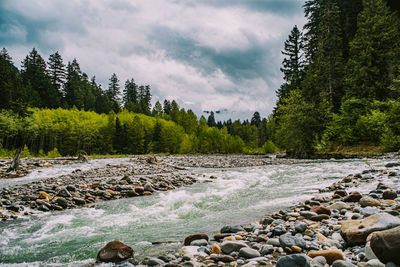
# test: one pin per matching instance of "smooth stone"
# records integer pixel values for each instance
(231, 229)
(319, 217)
(274, 242)
(321, 210)
(307, 214)
(62, 202)
(228, 247)
(342, 263)
(115, 251)
(295, 260)
(191, 238)
(369, 253)
(300, 227)
(155, 261)
(199, 242)
(287, 240)
(249, 253)
(372, 263)
(296, 249)
(355, 232)
(257, 259)
(329, 255)
(353, 197)
(389, 194)
(188, 251)
(369, 201)
(386, 245)
(318, 261)
(368, 211)
(215, 248)
(338, 206)
(267, 249)
(223, 258)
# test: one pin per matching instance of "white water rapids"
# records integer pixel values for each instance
(236, 196)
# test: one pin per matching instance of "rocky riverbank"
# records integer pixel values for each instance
(83, 188)
(340, 228)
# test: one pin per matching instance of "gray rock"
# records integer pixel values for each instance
(369, 253)
(274, 241)
(390, 264)
(199, 242)
(287, 240)
(231, 229)
(248, 253)
(368, 211)
(228, 247)
(375, 263)
(342, 263)
(300, 227)
(148, 187)
(386, 245)
(318, 261)
(389, 194)
(155, 261)
(295, 260)
(258, 259)
(64, 193)
(62, 202)
(267, 249)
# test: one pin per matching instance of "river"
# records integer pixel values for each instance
(237, 196)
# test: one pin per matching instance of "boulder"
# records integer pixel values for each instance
(355, 232)
(191, 238)
(228, 247)
(329, 255)
(295, 260)
(115, 251)
(386, 245)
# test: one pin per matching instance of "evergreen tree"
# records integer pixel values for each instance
(167, 106)
(145, 99)
(56, 71)
(256, 119)
(73, 93)
(11, 88)
(130, 95)
(157, 110)
(174, 112)
(113, 93)
(374, 52)
(211, 120)
(34, 76)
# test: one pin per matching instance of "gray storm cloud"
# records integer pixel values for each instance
(209, 55)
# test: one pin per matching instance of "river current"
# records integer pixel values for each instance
(236, 196)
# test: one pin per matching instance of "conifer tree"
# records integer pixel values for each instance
(73, 95)
(374, 52)
(11, 88)
(34, 76)
(167, 106)
(130, 95)
(211, 120)
(113, 93)
(56, 71)
(157, 110)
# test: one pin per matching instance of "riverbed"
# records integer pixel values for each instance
(235, 196)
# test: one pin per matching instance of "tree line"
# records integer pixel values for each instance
(341, 78)
(55, 109)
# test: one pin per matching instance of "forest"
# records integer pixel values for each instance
(341, 87)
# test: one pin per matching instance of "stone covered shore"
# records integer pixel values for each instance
(340, 228)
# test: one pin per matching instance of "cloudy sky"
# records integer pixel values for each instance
(207, 54)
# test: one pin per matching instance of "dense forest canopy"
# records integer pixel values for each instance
(341, 78)
(341, 87)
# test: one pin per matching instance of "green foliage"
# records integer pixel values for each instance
(300, 124)
(269, 147)
(53, 153)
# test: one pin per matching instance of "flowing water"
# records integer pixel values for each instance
(236, 196)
